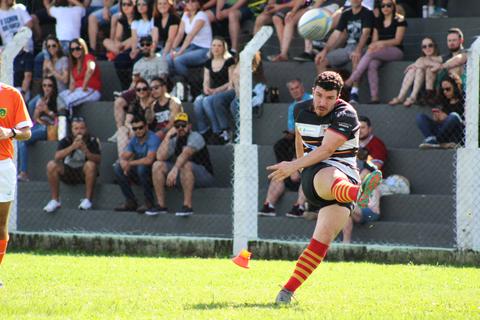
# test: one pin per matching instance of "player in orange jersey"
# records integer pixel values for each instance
(15, 123)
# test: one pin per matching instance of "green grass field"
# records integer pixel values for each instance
(91, 287)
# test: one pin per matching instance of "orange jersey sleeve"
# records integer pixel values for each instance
(13, 114)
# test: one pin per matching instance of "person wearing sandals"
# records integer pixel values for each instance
(44, 115)
(415, 73)
(387, 45)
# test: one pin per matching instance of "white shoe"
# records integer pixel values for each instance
(52, 205)
(113, 138)
(85, 204)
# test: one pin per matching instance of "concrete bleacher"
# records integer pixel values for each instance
(424, 218)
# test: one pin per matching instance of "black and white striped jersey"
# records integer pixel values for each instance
(342, 120)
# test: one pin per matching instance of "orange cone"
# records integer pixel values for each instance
(242, 259)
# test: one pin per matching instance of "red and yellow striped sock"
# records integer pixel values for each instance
(306, 264)
(344, 191)
(3, 249)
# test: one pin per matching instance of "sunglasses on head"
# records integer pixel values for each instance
(140, 89)
(75, 49)
(145, 44)
(180, 125)
(386, 5)
(425, 46)
(137, 128)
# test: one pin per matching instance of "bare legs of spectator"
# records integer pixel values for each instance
(55, 169)
(279, 28)
(187, 180)
(92, 31)
(288, 33)
(122, 139)
(234, 17)
(119, 106)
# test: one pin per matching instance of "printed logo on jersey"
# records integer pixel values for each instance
(3, 113)
(310, 130)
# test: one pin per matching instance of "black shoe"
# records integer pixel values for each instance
(143, 208)
(274, 95)
(185, 212)
(130, 205)
(305, 57)
(295, 212)
(267, 211)
(156, 210)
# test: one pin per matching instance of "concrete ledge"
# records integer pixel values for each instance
(107, 244)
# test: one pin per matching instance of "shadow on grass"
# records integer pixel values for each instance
(230, 305)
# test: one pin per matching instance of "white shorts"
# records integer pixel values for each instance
(8, 180)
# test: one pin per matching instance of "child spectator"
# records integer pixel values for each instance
(217, 93)
(193, 52)
(44, 115)
(387, 45)
(85, 80)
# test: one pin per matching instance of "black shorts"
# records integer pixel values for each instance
(72, 175)
(309, 190)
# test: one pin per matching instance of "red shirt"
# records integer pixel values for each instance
(377, 150)
(13, 114)
(95, 80)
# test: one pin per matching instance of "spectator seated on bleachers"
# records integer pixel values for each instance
(13, 17)
(285, 151)
(165, 23)
(387, 45)
(444, 128)
(437, 8)
(142, 26)
(101, 17)
(55, 63)
(44, 117)
(138, 108)
(182, 160)
(355, 26)
(85, 84)
(135, 164)
(196, 33)
(371, 156)
(165, 107)
(415, 74)
(121, 42)
(212, 106)
(452, 62)
(76, 161)
(23, 73)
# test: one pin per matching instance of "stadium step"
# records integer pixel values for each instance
(125, 223)
(381, 232)
(413, 208)
(35, 194)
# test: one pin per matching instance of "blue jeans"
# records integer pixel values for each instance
(221, 102)
(214, 108)
(141, 175)
(39, 132)
(449, 130)
(193, 56)
(32, 104)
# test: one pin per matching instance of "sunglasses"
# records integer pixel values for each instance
(145, 44)
(447, 89)
(180, 125)
(47, 85)
(78, 119)
(51, 46)
(137, 128)
(141, 4)
(127, 4)
(140, 89)
(75, 49)
(156, 87)
(386, 5)
(425, 46)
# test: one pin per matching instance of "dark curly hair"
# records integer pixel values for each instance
(329, 80)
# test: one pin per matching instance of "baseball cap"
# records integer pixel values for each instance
(182, 116)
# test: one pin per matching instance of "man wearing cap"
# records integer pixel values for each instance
(182, 159)
(135, 164)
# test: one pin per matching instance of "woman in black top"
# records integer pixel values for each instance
(387, 40)
(123, 33)
(218, 93)
(444, 128)
(165, 22)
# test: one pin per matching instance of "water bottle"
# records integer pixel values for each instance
(62, 125)
(180, 91)
(425, 11)
(431, 10)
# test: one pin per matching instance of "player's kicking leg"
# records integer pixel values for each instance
(337, 193)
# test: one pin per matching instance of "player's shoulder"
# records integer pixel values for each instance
(343, 108)
(7, 90)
